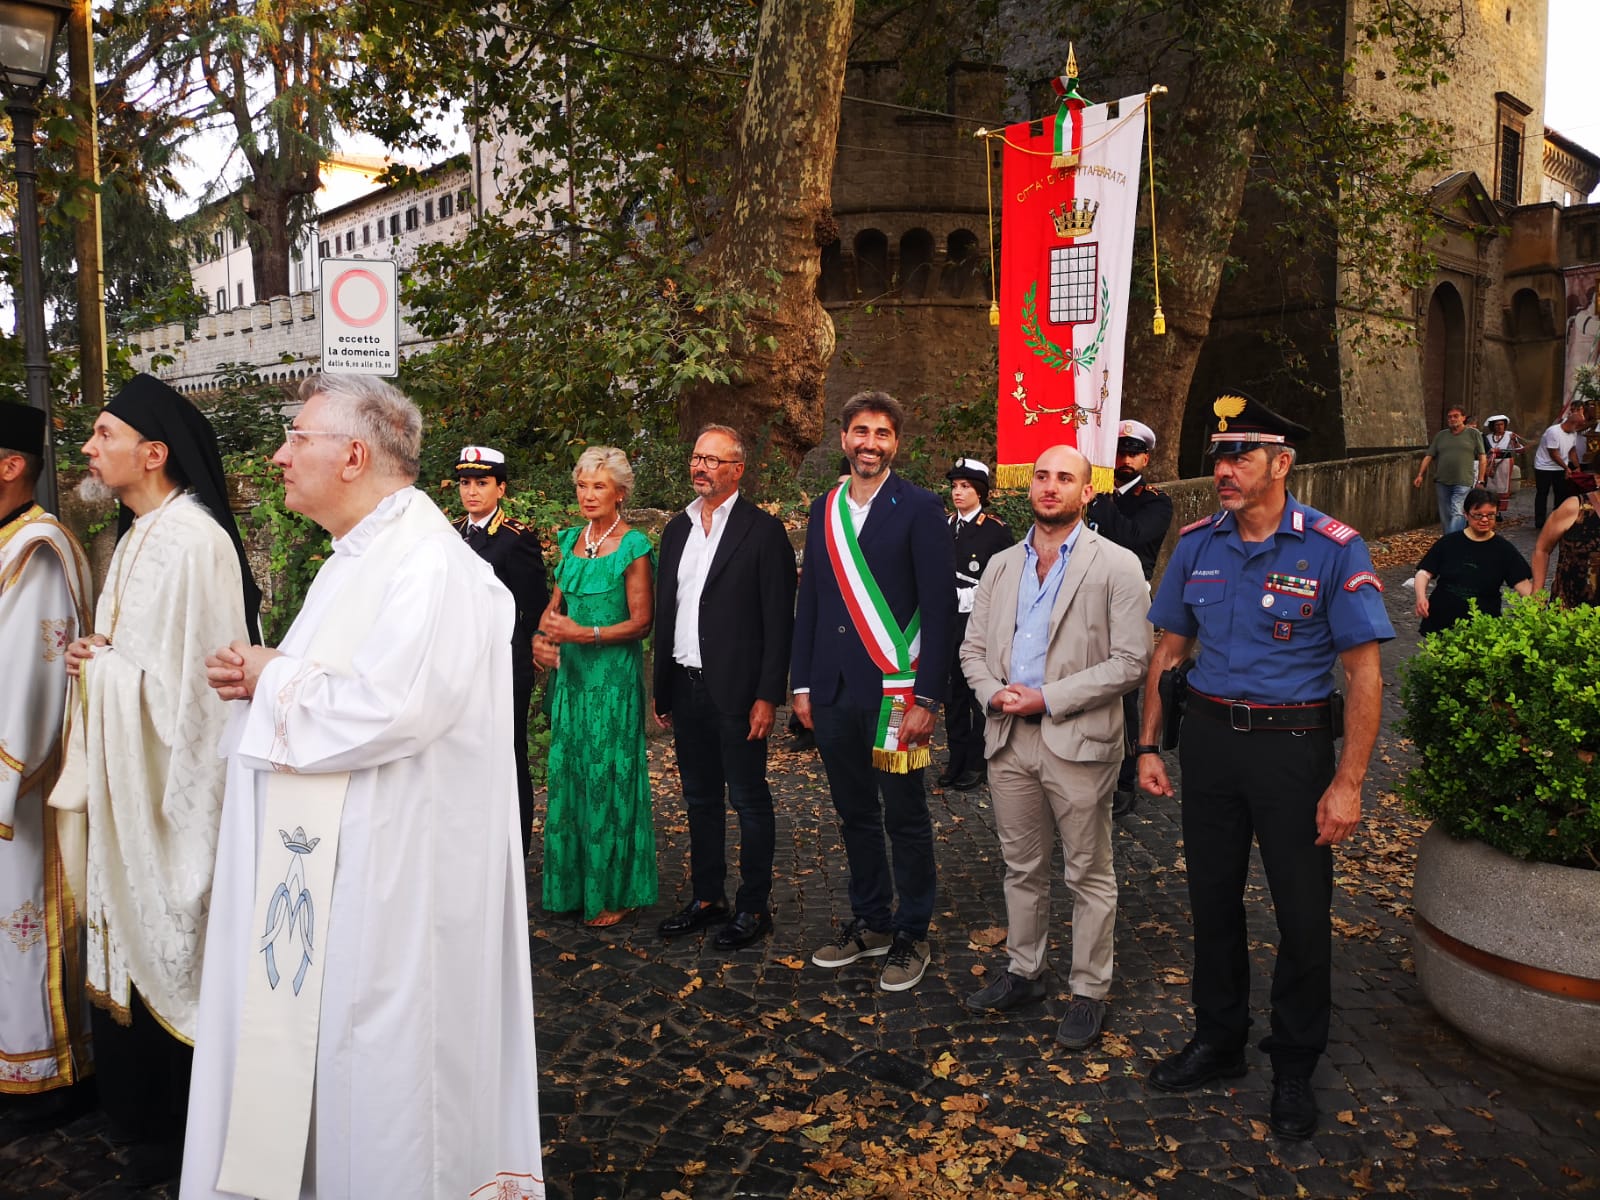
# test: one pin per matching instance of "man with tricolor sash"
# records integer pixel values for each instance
(870, 666)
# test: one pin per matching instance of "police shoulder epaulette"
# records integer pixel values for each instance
(1336, 530)
(1151, 488)
(1202, 523)
(982, 517)
(513, 524)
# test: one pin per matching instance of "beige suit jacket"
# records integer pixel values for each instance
(1099, 647)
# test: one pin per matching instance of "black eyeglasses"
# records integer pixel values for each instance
(1482, 516)
(710, 461)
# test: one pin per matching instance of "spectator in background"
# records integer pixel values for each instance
(1470, 564)
(1554, 460)
(1503, 446)
(1461, 463)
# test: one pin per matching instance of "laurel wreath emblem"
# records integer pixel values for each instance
(1057, 358)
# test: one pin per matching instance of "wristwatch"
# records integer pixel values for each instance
(1144, 748)
(924, 702)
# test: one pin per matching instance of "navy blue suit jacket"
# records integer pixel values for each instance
(908, 550)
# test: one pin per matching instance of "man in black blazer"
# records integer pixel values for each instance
(724, 615)
(513, 550)
(871, 663)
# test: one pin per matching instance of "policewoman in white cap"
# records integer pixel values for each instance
(1136, 516)
(513, 550)
(978, 537)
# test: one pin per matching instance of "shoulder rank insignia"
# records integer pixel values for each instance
(1362, 579)
(1148, 487)
(1336, 530)
(514, 525)
(1200, 524)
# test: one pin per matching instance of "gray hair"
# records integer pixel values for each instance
(727, 431)
(610, 460)
(377, 414)
(33, 465)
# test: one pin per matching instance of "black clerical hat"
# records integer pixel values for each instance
(21, 428)
(1243, 423)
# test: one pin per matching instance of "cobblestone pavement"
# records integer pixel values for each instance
(672, 1070)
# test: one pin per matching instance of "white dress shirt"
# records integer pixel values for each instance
(699, 548)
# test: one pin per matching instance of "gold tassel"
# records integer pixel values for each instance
(1102, 479)
(994, 314)
(901, 762)
(1013, 475)
(1158, 323)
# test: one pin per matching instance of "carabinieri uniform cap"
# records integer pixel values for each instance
(1244, 423)
(477, 461)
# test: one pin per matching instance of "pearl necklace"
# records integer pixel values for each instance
(592, 548)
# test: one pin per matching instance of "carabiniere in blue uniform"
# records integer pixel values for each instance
(1257, 747)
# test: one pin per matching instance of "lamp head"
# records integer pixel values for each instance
(28, 30)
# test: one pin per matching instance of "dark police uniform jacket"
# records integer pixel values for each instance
(1136, 519)
(1271, 616)
(976, 542)
(513, 550)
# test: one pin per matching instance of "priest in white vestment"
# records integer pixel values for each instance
(177, 586)
(366, 1017)
(44, 598)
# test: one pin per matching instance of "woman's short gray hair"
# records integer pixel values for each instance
(377, 414)
(610, 460)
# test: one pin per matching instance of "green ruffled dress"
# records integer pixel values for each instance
(599, 840)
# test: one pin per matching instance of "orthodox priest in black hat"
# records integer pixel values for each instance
(151, 778)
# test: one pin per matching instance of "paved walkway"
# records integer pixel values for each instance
(670, 1070)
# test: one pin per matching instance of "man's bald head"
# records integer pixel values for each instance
(1060, 488)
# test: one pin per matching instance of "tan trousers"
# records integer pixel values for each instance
(1037, 795)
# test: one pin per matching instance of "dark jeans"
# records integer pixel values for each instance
(844, 738)
(521, 696)
(714, 754)
(1545, 483)
(1264, 784)
(963, 716)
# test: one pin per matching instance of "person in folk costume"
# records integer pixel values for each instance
(1503, 446)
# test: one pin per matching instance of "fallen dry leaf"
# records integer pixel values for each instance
(790, 961)
(782, 1120)
(1346, 1117)
(983, 939)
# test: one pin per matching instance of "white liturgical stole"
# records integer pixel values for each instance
(269, 1117)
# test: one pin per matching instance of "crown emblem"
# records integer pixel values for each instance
(297, 840)
(1075, 220)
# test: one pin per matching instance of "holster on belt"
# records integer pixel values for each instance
(1173, 688)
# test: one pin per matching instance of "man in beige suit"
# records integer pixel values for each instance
(1057, 636)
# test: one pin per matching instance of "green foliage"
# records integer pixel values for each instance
(1586, 383)
(1505, 713)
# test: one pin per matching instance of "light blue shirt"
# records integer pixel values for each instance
(1035, 600)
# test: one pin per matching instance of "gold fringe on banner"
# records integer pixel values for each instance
(1013, 475)
(901, 762)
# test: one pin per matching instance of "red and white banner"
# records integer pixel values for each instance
(1066, 254)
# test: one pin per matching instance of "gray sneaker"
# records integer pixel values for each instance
(1080, 1027)
(904, 967)
(855, 941)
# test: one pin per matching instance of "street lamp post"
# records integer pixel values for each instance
(28, 30)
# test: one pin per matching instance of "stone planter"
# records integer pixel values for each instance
(1508, 952)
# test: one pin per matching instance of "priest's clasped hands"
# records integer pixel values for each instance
(234, 670)
(82, 650)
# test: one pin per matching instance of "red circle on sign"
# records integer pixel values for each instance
(338, 309)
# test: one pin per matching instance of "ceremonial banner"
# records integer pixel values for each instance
(1071, 194)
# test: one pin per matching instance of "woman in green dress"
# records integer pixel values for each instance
(599, 840)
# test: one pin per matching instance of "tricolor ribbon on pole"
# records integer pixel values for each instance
(1070, 189)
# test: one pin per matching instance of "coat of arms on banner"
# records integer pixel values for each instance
(1071, 195)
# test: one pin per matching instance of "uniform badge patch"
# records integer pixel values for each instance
(1292, 585)
(1337, 530)
(1281, 630)
(1361, 579)
(1305, 610)
(1193, 525)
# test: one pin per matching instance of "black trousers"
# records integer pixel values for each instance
(1128, 773)
(143, 1076)
(715, 756)
(963, 715)
(521, 698)
(844, 739)
(1545, 484)
(1263, 785)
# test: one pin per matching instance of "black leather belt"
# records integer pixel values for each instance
(1243, 717)
(694, 673)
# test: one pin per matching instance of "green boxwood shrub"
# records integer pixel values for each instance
(1505, 715)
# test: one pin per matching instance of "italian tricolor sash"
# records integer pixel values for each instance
(893, 650)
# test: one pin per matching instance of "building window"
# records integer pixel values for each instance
(235, 239)
(322, 248)
(427, 212)
(241, 295)
(446, 206)
(1512, 114)
(216, 240)
(366, 235)
(394, 226)
(411, 218)
(222, 299)
(464, 199)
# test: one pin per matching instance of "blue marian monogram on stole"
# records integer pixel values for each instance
(291, 915)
